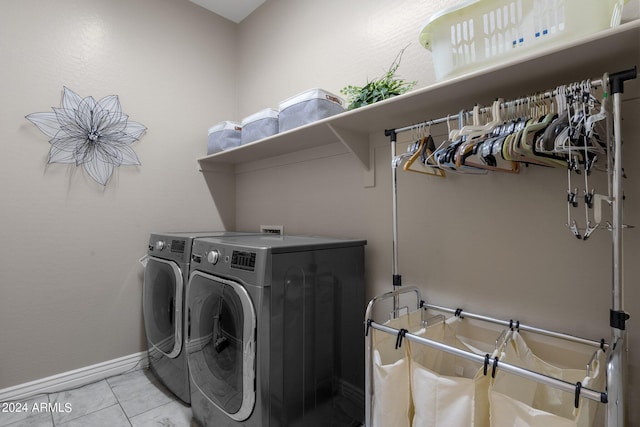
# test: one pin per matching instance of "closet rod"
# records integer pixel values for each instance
(516, 324)
(506, 367)
(393, 136)
(547, 94)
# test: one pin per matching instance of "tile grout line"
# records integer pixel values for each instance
(118, 400)
(153, 409)
(53, 423)
(50, 401)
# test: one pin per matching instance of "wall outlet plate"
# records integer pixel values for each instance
(277, 230)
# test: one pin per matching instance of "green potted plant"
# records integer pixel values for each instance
(381, 88)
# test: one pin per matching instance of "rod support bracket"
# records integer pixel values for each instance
(618, 319)
(397, 280)
(391, 133)
(604, 398)
(616, 80)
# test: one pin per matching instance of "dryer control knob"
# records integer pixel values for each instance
(213, 256)
(160, 245)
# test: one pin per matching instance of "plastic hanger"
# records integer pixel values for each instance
(446, 159)
(477, 129)
(486, 153)
(522, 148)
(424, 151)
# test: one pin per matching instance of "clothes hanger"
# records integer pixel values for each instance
(582, 145)
(424, 152)
(412, 148)
(474, 135)
(521, 145)
(531, 134)
(547, 142)
(487, 153)
(454, 133)
(446, 159)
(477, 129)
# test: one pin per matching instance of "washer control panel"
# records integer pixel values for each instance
(170, 248)
(213, 256)
(243, 260)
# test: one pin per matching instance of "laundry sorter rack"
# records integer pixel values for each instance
(614, 394)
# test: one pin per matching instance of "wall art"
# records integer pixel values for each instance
(96, 135)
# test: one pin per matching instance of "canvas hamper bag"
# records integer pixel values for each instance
(448, 390)
(516, 401)
(224, 136)
(307, 107)
(391, 387)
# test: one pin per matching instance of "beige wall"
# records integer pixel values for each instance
(69, 274)
(70, 280)
(328, 45)
(493, 244)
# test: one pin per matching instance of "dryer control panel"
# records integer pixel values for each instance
(243, 260)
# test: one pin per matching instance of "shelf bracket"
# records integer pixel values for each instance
(221, 181)
(358, 144)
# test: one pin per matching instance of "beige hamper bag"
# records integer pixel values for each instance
(448, 391)
(519, 402)
(391, 387)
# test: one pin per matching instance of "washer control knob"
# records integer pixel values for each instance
(160, 245)
(213, 256)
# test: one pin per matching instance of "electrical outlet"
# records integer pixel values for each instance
(277, 230)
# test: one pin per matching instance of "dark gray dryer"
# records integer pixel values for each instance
(276, 333)
(165, 279)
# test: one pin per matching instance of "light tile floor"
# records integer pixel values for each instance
(134, 399)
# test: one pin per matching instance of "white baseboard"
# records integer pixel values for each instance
(76, 378)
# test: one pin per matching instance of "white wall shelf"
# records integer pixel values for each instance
(614, 49)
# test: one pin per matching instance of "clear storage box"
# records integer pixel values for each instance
(307, 107)
(260, 125)
(479, 33)
(223, 136)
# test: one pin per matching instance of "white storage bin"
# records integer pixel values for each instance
(223, 136)
(480, 33)
(260, 125)
(307, 107)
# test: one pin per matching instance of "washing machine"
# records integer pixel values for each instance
(165, 278)
(276, 334)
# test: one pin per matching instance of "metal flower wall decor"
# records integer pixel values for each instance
(96, 135)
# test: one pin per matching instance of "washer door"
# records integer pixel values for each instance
(162, 305)
(221, 344)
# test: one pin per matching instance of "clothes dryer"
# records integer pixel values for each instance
(165, 278)
(276, 334)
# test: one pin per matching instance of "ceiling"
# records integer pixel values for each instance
(233, 10)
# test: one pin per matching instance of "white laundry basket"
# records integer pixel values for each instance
(479, 33)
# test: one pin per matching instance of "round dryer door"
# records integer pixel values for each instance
(162, 306)
(221, 344)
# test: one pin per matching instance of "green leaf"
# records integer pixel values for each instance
(378, 89)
